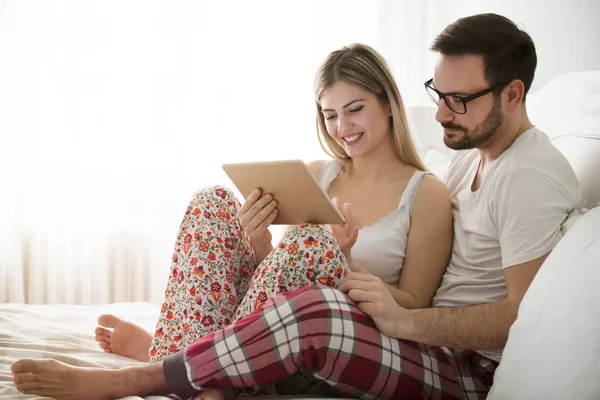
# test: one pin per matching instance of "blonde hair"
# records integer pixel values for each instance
(361, 65)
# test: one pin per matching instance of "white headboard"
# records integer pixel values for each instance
(568, 109)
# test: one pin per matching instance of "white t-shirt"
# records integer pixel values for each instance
(514, 217)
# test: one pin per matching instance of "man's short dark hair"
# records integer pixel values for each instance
(508, 52)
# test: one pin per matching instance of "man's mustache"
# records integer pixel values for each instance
(450, 125)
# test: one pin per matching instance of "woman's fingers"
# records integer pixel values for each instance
(268, 220)
(261, 215)
(336, 203)
(249, 202)
(347, 213)
(255, 210)
(354, 235)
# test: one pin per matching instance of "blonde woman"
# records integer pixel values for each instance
(399, 223)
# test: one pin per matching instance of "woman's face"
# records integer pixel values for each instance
(355, 118)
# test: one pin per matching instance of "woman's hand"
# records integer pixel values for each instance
(347, 233)
(374, 299)
(256, 215)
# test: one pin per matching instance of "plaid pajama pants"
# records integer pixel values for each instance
(320, 331)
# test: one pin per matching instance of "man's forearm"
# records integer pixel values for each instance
(403, 298)
(478, 327)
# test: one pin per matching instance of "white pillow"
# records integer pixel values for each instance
(553, 349)
(583, 153)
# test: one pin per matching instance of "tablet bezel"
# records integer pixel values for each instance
(300, 198)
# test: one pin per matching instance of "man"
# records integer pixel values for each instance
(512, 191)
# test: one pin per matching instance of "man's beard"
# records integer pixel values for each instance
(481, 136)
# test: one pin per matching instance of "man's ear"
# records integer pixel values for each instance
(515, 91)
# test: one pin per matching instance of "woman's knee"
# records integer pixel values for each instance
(215, 195)
(220, 193)
(311, 232)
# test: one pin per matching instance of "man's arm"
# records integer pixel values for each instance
(529, 209)
(479, 327)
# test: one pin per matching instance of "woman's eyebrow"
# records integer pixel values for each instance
(345, 105)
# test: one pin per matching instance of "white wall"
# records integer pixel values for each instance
(566, 33)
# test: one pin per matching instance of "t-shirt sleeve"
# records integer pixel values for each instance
(530, 210)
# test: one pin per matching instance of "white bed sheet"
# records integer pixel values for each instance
(64, 333)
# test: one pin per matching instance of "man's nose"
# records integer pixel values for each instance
(443, 113)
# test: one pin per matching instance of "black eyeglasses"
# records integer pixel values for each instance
(457, 103)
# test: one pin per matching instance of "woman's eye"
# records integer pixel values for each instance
(328, 117)
(357, 109)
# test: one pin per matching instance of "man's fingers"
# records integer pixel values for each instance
(360, 295)
(366, 307)
(357, 280)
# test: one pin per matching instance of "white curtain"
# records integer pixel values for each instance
(113, 113)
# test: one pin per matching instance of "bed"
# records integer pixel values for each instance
(64, 333)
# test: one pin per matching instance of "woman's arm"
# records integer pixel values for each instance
(429, 245)
(428, 249)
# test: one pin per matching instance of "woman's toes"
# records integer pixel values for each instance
(104, 346)
(28, 387)
(25, 366)
(102, 331)
(108, 320)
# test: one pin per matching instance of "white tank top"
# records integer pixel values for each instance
(381, 246)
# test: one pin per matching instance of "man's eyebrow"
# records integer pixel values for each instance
(345, 105)
(462, 94)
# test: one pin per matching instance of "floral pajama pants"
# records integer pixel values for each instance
(213, 281)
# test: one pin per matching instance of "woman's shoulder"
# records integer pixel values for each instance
(432, 193)
(315, 167)
(318, 167)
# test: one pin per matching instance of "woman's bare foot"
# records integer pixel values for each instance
(60, 381)
(123, 338)
(215, 394)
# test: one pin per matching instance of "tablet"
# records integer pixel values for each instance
(300, 198)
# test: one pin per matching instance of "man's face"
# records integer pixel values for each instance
(463, 76)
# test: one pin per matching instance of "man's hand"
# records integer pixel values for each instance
(374, 299)
(347, 233)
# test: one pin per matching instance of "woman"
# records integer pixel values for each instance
(398, 221)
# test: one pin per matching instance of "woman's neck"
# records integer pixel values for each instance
(376, 166)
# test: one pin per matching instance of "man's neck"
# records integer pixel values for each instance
(504, 141)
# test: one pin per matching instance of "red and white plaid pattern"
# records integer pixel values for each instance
(321, 331)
